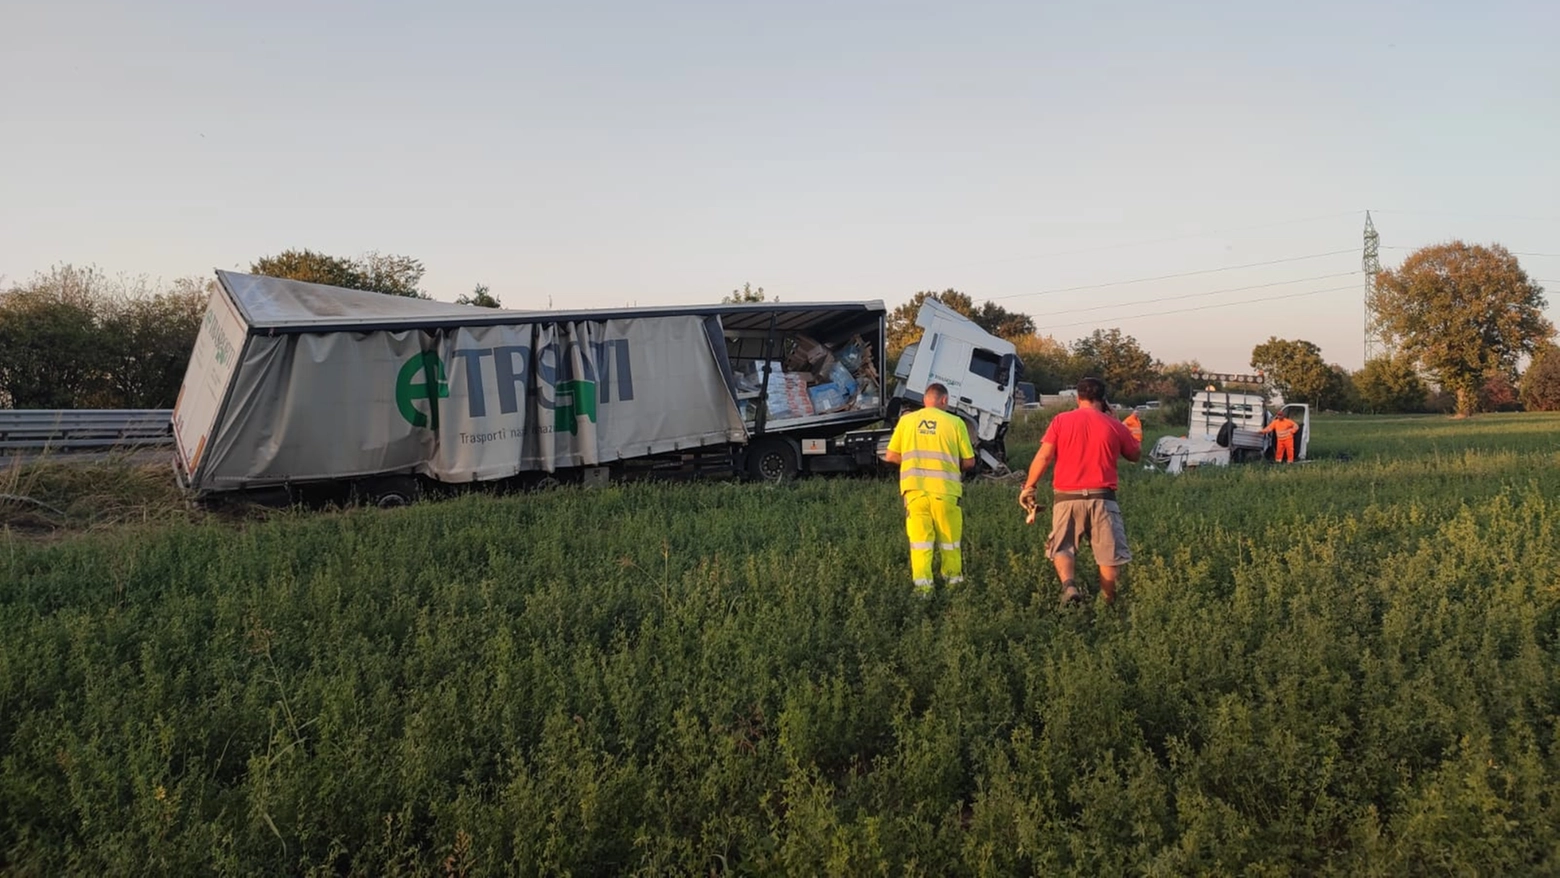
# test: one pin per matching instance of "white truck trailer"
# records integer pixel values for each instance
(302, 388)
(1226, 428)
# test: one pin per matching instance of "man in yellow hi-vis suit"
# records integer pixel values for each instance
(932, 448)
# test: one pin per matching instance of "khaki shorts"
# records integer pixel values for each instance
(1098, 521)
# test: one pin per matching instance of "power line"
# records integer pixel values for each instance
(1141, 280)
(1279, 283)
(1204, 307)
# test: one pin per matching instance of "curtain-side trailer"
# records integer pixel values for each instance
(295, 386)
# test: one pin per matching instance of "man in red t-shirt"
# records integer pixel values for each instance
(1084, 445)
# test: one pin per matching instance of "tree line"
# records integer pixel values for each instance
(1458, 319)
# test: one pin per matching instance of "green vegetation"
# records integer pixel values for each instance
(1342, 667)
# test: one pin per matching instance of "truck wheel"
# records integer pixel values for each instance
(389, 492)
(772, 460)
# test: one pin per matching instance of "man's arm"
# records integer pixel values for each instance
(891, 456)
(1040, 464)
(966, 463)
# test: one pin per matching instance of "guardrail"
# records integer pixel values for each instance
(67, 429)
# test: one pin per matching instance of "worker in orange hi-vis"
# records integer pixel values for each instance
(1286, 430)
(1134, 425)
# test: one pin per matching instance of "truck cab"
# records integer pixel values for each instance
(979, 369)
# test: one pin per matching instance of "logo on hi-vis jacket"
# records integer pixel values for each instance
(546, 377)
(927, 427)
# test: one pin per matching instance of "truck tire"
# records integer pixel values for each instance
(389, 492)
(772, 460)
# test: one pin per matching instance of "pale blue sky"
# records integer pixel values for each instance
(597, 154)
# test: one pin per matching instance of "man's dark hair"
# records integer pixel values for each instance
(1091, 389)
(937, 388)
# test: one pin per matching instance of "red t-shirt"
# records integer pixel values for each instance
(1087, 444)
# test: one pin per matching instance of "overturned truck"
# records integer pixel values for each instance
(295, 387)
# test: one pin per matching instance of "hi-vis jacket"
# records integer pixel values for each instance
(1285, 428)
(930, 443)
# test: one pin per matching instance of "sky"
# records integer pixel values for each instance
(1095, 165)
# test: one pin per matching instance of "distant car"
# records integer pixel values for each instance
(1150, 406)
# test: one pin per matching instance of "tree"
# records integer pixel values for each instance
(1295, 368)
(373, 271)
(1541, 382)
(54, 354)
(902, 331)
(148, 339)
(390, 274)
(744, 295)
(310, 267)
(1048, 364)
(1117, 358)
(1463, 313)
(480, 298)
(1003, 323)
(1498, 393)
(1389, 385)
(75, 339)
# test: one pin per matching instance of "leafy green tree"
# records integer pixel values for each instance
(1176, 381)
(1541, 381)
(374, 272)
(73, 338)
(480, 297)
(310, 267)
(1340, 395)
(54, 356)
(1389, 385)
(391, 274)
(147, 343)
(1296, 369)
(1463, 312)
(745, 295)
(1003, 323)
(1116, 357)
(1048, 364)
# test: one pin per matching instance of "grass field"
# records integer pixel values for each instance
(1342, 667)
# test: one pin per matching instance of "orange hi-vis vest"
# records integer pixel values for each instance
(1285, 428)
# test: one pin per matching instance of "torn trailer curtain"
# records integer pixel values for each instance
(327, 383)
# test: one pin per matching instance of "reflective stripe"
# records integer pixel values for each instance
(928, 455)
(948, 547)
(917, 546)
(1286, 434)
(928, 474)
(923, 583)
(955, 580)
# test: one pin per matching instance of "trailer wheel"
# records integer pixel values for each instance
(772, 460)
(389, 492)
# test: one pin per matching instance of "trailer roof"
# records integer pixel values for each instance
(277, 306)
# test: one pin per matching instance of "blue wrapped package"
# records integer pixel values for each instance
(827, 397)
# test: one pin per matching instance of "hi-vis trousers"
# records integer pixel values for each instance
(934, 521)
(1285, 452)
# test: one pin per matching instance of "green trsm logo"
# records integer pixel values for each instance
(422, 382)
(433, 388)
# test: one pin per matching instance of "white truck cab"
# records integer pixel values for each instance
(978, 368)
